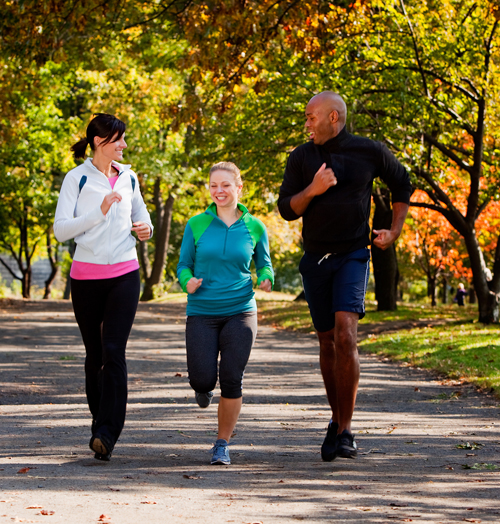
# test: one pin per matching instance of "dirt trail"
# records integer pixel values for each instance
(428, 452)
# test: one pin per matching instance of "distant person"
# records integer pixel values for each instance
(328, 182)
(460, 296)
(214, 269)
(100, 205)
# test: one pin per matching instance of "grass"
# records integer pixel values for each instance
(295, 316)
(460, 348)
(468, 352)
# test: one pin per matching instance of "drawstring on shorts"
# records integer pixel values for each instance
(324, 258)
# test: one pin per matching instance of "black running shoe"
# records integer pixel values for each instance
(101, 447)
(346, 446)
(204, 399)
(106, 457)
(329, 447)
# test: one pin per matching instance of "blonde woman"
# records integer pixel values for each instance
(214, 269)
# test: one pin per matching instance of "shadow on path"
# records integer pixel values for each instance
(427, 452)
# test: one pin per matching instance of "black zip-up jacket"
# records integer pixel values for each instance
(338, 220)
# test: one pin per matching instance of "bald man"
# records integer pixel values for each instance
(328, 182)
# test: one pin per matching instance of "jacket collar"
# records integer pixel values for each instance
(336, 143)
(121, 167)
(212, 209)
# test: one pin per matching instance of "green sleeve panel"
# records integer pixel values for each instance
(199, 224)
(265, 274)
(255, 227)
(184, 277)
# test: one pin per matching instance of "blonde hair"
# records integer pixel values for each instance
(230, 168)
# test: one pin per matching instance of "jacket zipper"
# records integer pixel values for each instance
(225, 241)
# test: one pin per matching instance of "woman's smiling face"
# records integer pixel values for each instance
(223, 188)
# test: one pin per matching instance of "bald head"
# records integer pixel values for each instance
(326, 115)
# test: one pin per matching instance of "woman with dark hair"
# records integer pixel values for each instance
(99, 205)
(214, 269)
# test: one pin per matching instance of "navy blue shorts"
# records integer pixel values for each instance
(335, 283)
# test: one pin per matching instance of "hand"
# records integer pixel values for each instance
(323, 180)
(385, 238)
(193, 285)
(109, 200)
(266, 285)
(142, 229)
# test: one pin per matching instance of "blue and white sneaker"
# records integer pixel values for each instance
(220, 453)
(204, 399)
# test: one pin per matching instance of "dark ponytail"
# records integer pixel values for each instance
(79, 148)
(102, 125)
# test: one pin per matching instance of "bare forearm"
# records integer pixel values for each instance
(300, 201)
(386, 237)
(399, 212)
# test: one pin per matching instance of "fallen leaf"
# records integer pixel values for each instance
(395, 504)
(178, 375)
(191, 477)
(46, 512)
(24, 470)
(104, 517)
(472, 520)
(148, 502)
(34, 507)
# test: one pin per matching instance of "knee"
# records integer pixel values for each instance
(202, 384)
(326, 342)
(345, 342)
(231, 390)
(113, 353)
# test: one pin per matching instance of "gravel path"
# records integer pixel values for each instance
(428, 451)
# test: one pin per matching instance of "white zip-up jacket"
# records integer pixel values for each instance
(100, 239)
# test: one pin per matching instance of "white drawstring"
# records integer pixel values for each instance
(324, 258)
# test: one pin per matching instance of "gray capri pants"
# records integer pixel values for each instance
(233, 337)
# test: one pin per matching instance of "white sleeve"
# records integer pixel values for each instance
(140, 212)
(66, 225)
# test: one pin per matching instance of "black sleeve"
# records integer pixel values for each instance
(291, 185)
(392, 172)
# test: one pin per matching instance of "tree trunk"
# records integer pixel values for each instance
(385, 263)
(153, 273)
(23, 259)
(444, 291)
(488, 299)
(53, 259)
(431, 288)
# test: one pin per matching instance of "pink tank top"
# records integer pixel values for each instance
(88, 271)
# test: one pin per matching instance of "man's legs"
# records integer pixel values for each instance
(340, 367)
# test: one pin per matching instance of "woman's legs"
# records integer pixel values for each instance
(105, 310)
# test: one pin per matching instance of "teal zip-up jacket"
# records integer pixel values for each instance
(221, 256)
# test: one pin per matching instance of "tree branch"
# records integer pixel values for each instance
(6, 266)
(448, 152)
